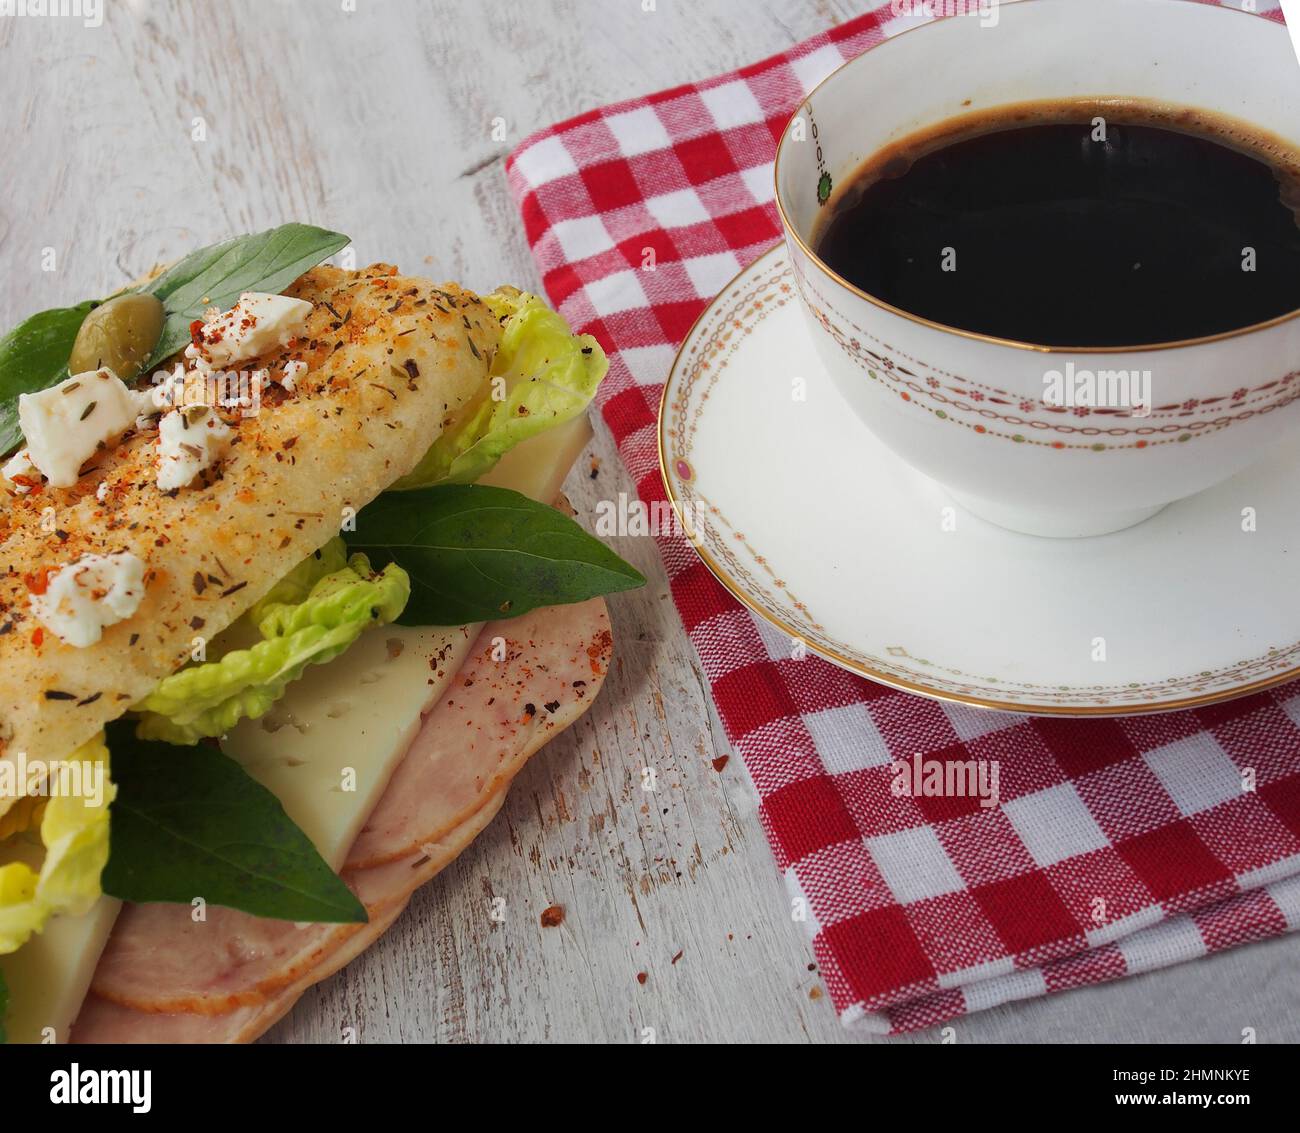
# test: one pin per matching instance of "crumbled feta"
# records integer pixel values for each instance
(292, 372)
(167, 392)
(101, 493)
(66, 424)
(85, 596)
(189, 441)
(20, 466)
(257, 323)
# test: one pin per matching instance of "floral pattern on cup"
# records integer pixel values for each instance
(988, 411)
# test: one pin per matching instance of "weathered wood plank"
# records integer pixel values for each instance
(380, 123)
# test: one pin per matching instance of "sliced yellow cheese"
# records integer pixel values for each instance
(49, 976)
(537, 467)
(327, 748)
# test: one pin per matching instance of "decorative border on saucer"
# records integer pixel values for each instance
(748, 574)
(708, 354)
(954, 397)
(737, 554)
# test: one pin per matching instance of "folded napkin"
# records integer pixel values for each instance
(1119, 846)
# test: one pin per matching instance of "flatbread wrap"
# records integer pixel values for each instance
(284, 610)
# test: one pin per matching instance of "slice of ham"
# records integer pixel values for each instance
(235, 968)
(103, 1021)
(522, 684)
(159, 960)
(378, 884)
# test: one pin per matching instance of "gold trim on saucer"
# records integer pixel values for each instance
(772, 613)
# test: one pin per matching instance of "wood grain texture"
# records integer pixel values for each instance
(380, 123)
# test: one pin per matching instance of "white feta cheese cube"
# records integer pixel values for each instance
(257, 323)
(85, 596)
(66, 424)
(292, 372)
(21, 473)
(189, 441)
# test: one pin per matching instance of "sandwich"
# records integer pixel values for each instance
(288, 595)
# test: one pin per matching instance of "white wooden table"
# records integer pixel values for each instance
(177, 124)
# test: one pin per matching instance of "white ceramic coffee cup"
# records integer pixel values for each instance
(973, 411)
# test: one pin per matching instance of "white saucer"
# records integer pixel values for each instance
(812, 523)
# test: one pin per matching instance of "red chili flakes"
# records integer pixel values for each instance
(599, 649)
(38, 637)
(37, 582)
(721, 762)
(552, 916)
(641, 977)
(676, 958)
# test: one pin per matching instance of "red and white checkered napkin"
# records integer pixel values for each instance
(1119, 845)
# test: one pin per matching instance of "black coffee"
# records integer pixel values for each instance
(1029, 224)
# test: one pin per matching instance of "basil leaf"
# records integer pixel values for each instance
(190, 822)
(477, 553)
(34, 356)
(216, 276)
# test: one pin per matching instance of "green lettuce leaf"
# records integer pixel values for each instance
(209, 699)
(295, 586)
(547, 374)
(74, 833)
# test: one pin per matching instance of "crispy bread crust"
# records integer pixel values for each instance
(391, 360)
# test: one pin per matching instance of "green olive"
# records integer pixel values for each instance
(119, 334)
